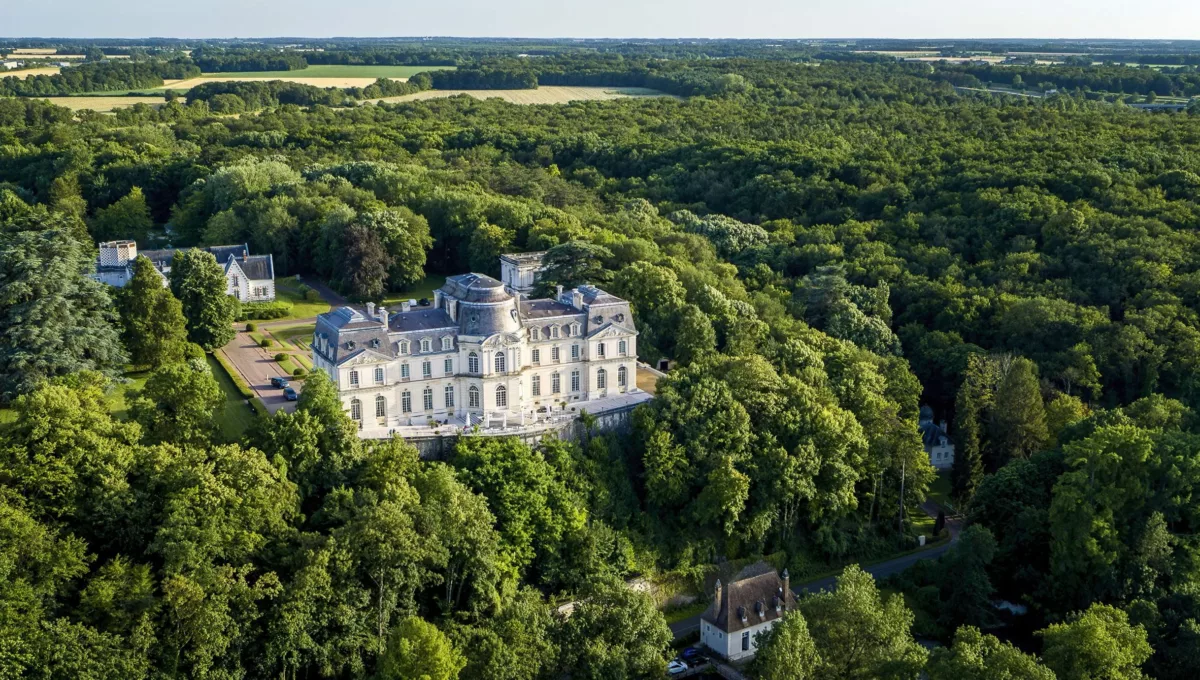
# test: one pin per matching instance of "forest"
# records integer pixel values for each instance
(820, 248)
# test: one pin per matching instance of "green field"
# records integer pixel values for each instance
(421, 289)
(237, 416)
(288, 290)
(334, 71)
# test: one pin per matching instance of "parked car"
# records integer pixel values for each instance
(423, 302)
(290, 394)
(693, 657)
(676, 667)
(279, 382)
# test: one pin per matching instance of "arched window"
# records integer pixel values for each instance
(536, 382)
(472, 363)
(501, 363)
(427, 398)
(622, 348)
(473, 397)
(554, 332)
(379, 376)
(403, 346)
(449, 396)
(501, 397)
(447, 343)
(426, 345)
(354, 378)
(380, 407)
(406, 401)
(622, 377)
(356, 409)
(601, 379)
(535, 334)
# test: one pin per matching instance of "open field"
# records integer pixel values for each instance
(33, 50)
(549, 94)
(330, 71)
(101, 104)
(26, 72)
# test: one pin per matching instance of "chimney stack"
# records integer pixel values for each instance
(717, 595)
(558, 296)
(382, 311)
(371, 310)
(787, 584)
(405, 306)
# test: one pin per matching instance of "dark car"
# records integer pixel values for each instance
(290, 394)
(279, 382)
(423, 302)
(692, 655)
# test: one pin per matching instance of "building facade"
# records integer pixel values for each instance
(480, 355)
(936, 439)
(751, 603)
(249, 278)
(520, 271)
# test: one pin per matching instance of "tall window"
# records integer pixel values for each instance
(574, 329)
(449, 396)
(501, 397)
(449, 366)
(404, 371)
(536, 382)
(380, 407)
(403, 347)
(472, 363)
(406, 401)
(601, 379)
(379, 376)
(535, 334)
(574, 381)
(569, 330)
(555, 383)
(554, 354)
(622, 348)
(500, 363)
(473, 397)
(354, 378)
(574, 351)
(746, 641)
(600, 350)
(537, 356)
(426, 369)
(554, 332)
(426, 346)
(622, 377)
(356, 409)
(447, 343)
(427, 398)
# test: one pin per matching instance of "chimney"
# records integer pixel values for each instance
(717, 595)
(405, 306)
(787, 584)
(559, 295)
(944, 426)
(576, 299)
(371, 310)
(382, 311)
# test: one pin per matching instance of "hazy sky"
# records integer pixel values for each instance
(1177, 19)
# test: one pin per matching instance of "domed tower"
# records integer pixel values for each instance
(491, 342)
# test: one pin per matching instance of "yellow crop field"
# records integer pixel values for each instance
(102, 104)
(317, 82)
(548, 94)
(34, 50)
(25, 73)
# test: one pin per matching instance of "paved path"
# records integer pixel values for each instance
(879, 570)
(258, 366)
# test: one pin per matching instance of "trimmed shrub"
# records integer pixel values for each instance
(280, 357)
(298, 372)
(266, 342)
(263, 310)
(251, 327)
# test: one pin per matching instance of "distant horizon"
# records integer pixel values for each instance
(53, 38)
(626, 19)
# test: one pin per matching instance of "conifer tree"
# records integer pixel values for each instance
(154, 330)
(199, 283)
(1019, 416)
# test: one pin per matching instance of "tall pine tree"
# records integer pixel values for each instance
(199, 283)
(1019, 416)
(155, 332)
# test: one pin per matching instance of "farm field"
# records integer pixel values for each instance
(329, 71)
(101, 104)
(25, 73)
(549, 94)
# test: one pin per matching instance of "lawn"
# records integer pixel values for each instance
(939, 491)
(288, 290)
(297, 337)
(421, 289)
(121, 394)
(237, 416)
(333, 71)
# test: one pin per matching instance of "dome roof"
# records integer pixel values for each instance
(476, 288)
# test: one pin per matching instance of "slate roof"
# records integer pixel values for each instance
(752, 595)
(475, 288)
(420, 320)
(540, 309)
(255, 267)
(931, 434)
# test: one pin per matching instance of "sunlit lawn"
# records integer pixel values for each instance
(421, 289)
(237, 416)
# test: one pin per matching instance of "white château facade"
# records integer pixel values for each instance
(249, 278)
(479, 355)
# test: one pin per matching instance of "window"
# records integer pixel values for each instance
(403, 347)
(535, 334)
(501, 397)
(601, 379)
(574, 381)
(554, 332)
(574, 329)
(472, 363)
(426, 369)
(537, 385)
(380, 407)
(449, 366)
(235, 280)
(746, 641)
(574, 351)
(378, 376)
(554, 384)
(537, 356)
(500, 362)
(449, 396)
(473, 397)
(622, 377)
(554, 354)
(426, 346)
(404, 371)
(406, 401)
(356, 409)
(427, 398)
(354, 378)
(600, 350)
(447, 343)
(622, 348)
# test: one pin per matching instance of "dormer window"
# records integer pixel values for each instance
(403, 346)
(447, 343)
(574, 329)
(535, 334)
(554, 332)
(375, 342)
(426, 346)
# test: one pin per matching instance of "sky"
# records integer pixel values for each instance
(1169, 19)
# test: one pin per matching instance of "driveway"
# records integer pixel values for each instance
(258, 366)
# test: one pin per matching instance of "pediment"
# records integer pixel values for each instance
(608, 330)
(363, 357)
(502, 340)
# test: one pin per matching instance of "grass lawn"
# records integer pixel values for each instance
(421, 289)
(676, 614)
(297, 337)
(939, 491)
(288, 290)
(289, 365)
(121, 394)
(237, 417)
(334, 71)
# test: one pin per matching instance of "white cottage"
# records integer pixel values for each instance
(936, 439)
(751, 603)
(249, 278)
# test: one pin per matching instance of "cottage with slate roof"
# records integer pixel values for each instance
(249, 278)
(751, 603)
(937, 440)
(480, 355)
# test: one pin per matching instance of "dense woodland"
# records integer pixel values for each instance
(820, 248)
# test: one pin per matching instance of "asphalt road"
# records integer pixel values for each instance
(257, 367)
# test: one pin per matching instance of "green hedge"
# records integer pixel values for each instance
(236, 377)
(259, 407)
(263, 310)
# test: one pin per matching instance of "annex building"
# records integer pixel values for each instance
(248, 278)
(482, 357)
(752, 602)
